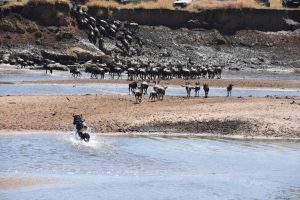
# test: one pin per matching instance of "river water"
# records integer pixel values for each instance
(11, 84)
(122, 89)
(150, 167)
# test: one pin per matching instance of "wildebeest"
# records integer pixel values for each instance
(132, 86)
(94, 70)
(206, 90)
(75, 71)
(188, 89)
(153, 96)
(48, 67)
(81, 127)
(160, 90)
(138, 94)
(229, 89)
(197, 88)
(144, 87)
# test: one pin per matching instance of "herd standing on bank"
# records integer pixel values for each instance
(139, 89)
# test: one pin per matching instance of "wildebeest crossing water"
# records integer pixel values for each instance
(149, 167)
(81, 127)
(122, 89)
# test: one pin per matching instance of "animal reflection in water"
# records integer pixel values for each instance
(81, 127)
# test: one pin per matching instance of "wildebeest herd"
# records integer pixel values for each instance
(117, 62)
(150, 71)
(130, 44)
(97, 29)
(139, 89)
(122, 61)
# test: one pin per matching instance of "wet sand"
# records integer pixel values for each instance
(267, 117)
(18, 183)
(178, 82)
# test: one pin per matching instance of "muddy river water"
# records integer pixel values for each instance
(150, 167)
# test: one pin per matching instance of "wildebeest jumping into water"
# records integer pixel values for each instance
(81, 127)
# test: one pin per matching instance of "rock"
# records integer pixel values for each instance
(32, 28)
(235, 68)
(196, 23)
(84, 55)
(7, 26)
(53, 29)
(166, 53)
(19, 28)
(219, 39)
(63, 35)
(58, 57)
(38, 41)
(293, 25)
(38, 35)
(255, 61)
(58, 66)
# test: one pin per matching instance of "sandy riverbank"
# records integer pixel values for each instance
(178, 82)
(268, 117)
(21, 182)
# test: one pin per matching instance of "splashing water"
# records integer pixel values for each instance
(150, 167)
(95, 142)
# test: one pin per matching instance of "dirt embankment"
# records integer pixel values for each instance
(224, 20)
(32, 29)
(220, 115)
(44, 13)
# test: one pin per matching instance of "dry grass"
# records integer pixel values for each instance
(196, 5)
(276, 4)
(204, 4)
(16, 3)
(159, 4)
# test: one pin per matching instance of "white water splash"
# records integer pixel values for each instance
(95, 141)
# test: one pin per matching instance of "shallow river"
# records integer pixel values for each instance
(122, 89)
(150, 167)
(15, 76)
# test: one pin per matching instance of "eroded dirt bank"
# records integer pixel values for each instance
(276, 117)
(224, 20)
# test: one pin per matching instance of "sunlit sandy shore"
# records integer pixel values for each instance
(249, 116)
